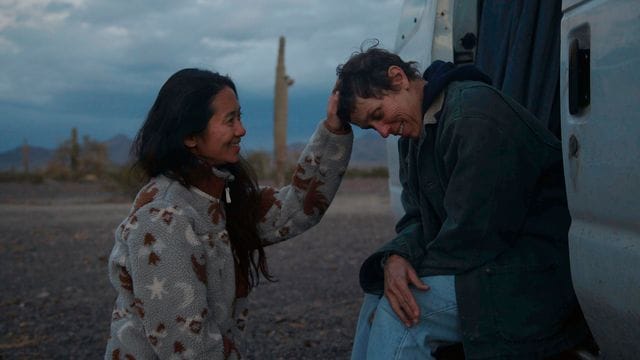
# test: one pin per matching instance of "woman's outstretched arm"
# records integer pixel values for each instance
(294, 208)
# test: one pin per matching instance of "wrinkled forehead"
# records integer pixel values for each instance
(362, 110)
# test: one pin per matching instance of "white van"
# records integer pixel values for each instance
(598, 94)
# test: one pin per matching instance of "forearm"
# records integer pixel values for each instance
(296, 207)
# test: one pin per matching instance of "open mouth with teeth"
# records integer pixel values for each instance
(235, 145)
(401, 129)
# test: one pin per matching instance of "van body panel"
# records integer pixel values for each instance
(601, 150)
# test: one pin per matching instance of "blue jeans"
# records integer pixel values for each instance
(381, 335)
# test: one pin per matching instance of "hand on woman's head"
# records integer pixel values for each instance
(333, 122)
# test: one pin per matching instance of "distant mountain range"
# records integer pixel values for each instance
(368, 151)
(117, 149)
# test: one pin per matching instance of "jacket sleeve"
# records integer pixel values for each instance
(169, 285)
(294, 208)
(407, 242)
(490, 180)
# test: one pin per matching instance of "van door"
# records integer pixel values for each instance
(600, 110)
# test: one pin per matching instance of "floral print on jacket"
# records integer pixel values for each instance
(172, 264)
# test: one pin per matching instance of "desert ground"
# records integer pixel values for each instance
(56, 300)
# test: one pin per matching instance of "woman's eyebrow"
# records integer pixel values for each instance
(234, 112)
(372, 113)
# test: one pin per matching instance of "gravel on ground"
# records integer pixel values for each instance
(56, 300)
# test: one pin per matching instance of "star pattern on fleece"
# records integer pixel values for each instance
(165, 226)
(157, 288)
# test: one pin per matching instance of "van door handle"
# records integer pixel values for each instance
(579, 78)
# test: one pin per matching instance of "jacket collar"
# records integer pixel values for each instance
(430, 115)
(212, 186)
(440, 74)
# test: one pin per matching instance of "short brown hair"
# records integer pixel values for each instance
(364, 75)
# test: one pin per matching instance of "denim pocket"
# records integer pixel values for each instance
(529, 302)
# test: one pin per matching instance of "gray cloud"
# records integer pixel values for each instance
(60, 57)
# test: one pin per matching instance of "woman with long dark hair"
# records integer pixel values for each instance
(192, 245)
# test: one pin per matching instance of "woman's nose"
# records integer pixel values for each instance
(240, 130)
(382, 129)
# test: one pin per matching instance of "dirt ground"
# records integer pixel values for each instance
(56, 300)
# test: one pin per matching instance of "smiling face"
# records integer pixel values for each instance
(219, 143)
(397, 112)
(393, 114)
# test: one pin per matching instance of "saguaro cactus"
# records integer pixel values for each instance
(283, 81)
(74, 152)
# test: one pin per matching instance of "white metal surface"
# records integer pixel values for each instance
(603, 175)
(425, 39)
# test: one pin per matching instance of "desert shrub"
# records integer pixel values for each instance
(125, 180)
(260, 162)
(12, 176)
(75, 161)
(92, 158)
(58, 170)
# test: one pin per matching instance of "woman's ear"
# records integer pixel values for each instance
(397, 77)
(190, 142)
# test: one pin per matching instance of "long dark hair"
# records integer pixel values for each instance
(183, 108)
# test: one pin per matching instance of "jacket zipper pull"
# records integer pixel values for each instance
(227, 194)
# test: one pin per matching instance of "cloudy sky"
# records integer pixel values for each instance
(98, 64)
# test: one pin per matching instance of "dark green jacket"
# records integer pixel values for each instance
(483, 191)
